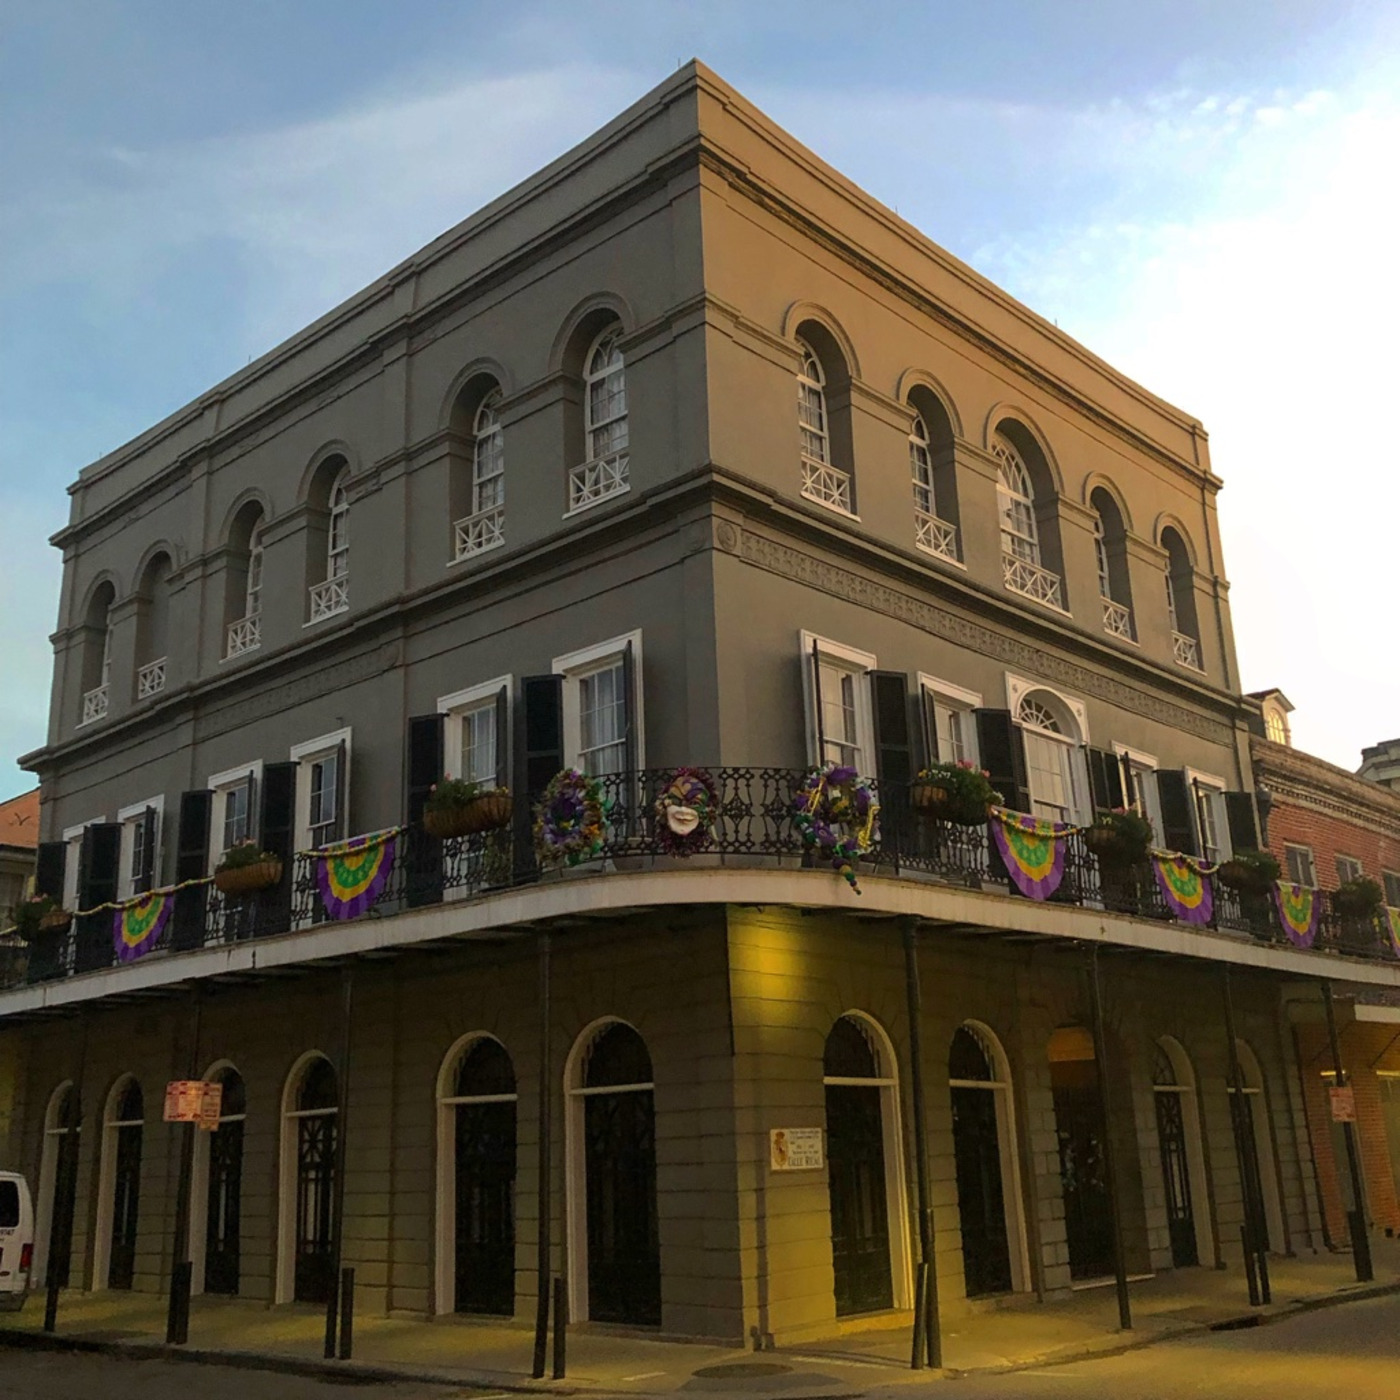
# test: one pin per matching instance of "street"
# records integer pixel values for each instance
(1352, 1351)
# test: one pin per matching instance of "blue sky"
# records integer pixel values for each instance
(1205, 194)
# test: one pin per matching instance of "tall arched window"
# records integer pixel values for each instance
(97, 654)
(605, 472)
(330, 586)
(1053, 760)
(216, 1199)
(243, 582)
(484, 526)
(1110, 553)
(152, 627)
(615, 1238)
(1022, 567)
(310, 1112)
(1254, 1143)
(476, 1179)
(1181, 601)
(119, 1186)
(1183, 1160)
(822, 480)
(931, 468)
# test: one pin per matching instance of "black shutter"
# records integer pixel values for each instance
(342, 792)
(146, 877)
(503, 738)
(49, 869)
(277, 836)
(192, 863)
(98, 866)
(1004, 757)
(1239, 814)
(818, 718)
(540, 751)
(1178, 818)
(894, 754)
(1105, 779)
(626, 793)
(928, 715)
(425, 765)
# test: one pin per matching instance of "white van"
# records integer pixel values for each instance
(16, 1240)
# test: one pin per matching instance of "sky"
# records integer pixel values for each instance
(1205, 194)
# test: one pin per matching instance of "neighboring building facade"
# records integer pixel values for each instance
(683, 453)
(1327, 826)
(19, 843)
(1380, 763)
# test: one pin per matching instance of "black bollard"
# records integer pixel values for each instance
(561, 1323)
(347, 1313)
(1249, 1273)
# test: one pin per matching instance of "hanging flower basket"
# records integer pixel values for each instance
(55, 920)
(40, 914)
(569, 819)
(834, 812)
(1120, 838)
(954, 792)
(490, 810)
(447, 822)
(1361, 898)
(1250, 872)
(685, 812)
(246, 869)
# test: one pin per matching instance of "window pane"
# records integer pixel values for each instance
(603, 720)
(1047, 764)
(323, 799)
(950, 726)
(839, 728)
(479, 745)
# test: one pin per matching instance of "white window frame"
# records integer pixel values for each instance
(130, 817)
(72, 855)
(945, 695)
(221, 784)
(574, 666)
(455, 707)
(1352, 864)
(1213, 785)
(304, 755)
(1081, 794)
(1136, 761)
(856, 662)
(1312, 863)
(1016, 505)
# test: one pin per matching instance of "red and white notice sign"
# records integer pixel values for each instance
(193, 1101)
(1343, 1103)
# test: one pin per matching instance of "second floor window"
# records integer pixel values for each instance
(811, 410)
(488, 457)
(1348, 868)
(324, 795)
(338, 532)
(252, 593)
(840, 717)
(605, 404)
(602, 712)
(1299, 861)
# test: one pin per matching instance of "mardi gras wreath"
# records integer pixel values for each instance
(834, 813)
(569, 819)
(686, 811)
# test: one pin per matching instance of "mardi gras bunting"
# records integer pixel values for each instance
(138, 925)
(352, 874)
(1298, 908)
(1392, 924)
(1032, 850)
(1185, 886)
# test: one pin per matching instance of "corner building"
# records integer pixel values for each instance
(683, 453)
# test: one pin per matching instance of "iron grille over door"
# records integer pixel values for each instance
(977, 1162)
(485, 1185)
(225, 1197)
(1176, 1171)
(126, 1188)
(315, 1185)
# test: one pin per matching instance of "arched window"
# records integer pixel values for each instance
(476, 1179)
(152, 627)
(119, 1187)
(310, 1111)
(216, 1196)
(1254, 1143)
(328, 540)
(1110, 553)
(984, 1155)
(822, 480)
(1183, 1160)
(1023, 569)
(1181, 601)
(483, 527)
(338, 533)
(931, 468)
(97, 654)
(869, 1248)
(605, 472)
(243, 582)
(57, 1194)
(1053, 761)
(615, 1240)
(1276, 726)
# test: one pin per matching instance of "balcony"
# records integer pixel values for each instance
(329, 598)
(754, 838)
(1031, 581)
(826, 485)
(1117, 620)
(478, 533)
(243, 636)
(598, 480)
(936, 536)
(94, 704)
(150, 679)
(1186, 651)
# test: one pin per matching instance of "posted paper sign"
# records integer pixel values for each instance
(795, 1149)
(193, 1101)
(1343, 1103)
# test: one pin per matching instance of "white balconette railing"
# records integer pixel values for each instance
(330, 597)
(482, 531)
(95, 704)
(935, 535)
(595, 481)
(1186, 650)
(1117, 619)
(244, 635)
(1031, 581)
(826, 485)
(150, 679)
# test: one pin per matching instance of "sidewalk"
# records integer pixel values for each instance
(495, 1357)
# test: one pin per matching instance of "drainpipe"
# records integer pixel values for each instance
(1360, 1239)
(1110, 1156)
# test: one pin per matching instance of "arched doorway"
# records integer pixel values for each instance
(1080, 1129)
(1179, 1145)
(476, 1185)
(1252, 1127)
(864, 1181)
(216, 1196)
(53, 1234)
(310, 1108)
(119, 1200)
(613, 1161)
(984, 1155)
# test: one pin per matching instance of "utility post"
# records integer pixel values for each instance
(1360, 1238)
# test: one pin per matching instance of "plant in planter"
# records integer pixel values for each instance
(40, 914)
(955, 792)
(1121, 837)
(1250, 872)
(246, 868)
(1358, 899)
(458, 807)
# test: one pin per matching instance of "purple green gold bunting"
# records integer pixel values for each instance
(1187, 890)
(352, 874)
(1392, 924)
(1032, 850)
(1297, 911)
(137, 926)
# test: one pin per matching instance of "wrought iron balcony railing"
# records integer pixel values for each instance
(1117, 619)
(935, 535)
(1186, 650)
(1031, 581)
(591, 482)
(330, 597)
(480, 532)
(753, 827)
(244, 635)
(150, 679)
